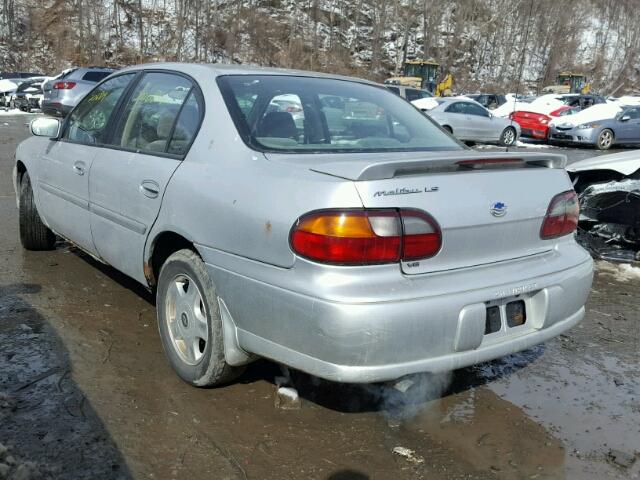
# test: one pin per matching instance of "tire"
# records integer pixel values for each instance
(34, 235)
(189, 322)
(448, 129)
(508, 137)
(605, 139)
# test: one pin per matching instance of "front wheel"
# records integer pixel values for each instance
(34, 234)
(189, 322)
(508, 137)
(605, 140)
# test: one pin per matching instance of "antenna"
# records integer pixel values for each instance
(524, 51)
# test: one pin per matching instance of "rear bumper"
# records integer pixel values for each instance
(537, 132)
(55, 108)
(438, 325)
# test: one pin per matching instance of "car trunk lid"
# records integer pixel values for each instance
(490, 206)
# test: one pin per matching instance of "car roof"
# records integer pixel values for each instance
(220, 69)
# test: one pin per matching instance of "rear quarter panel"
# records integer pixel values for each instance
(232, 199)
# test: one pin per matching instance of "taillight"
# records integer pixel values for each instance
(562, 216)
(421, 236)
(64, 85)
(365, 237)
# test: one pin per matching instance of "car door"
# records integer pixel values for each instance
(63, 182)
(480, 125)
(459, 121)
(154, 131)
(628, 130)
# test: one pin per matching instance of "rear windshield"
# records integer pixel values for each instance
(304, 114)
(95, 76)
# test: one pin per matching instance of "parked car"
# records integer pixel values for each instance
(28, 95)
(469, 121)
(536, 125)
(488, 100)
(65, 91)
(8, 88)
(623, 129)
(358, 248)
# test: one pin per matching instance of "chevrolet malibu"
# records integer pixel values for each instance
(358, 242)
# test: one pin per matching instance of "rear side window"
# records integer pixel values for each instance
(186, 126)
(89, 121)
(473, 109)
(413, 94)
(395, 90)
(148, 118)
(95, 76)
(305, 114)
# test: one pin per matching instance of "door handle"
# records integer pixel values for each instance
(78, 167)
(150, 189)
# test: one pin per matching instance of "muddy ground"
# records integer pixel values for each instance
(85, 392)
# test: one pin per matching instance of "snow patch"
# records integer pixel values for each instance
(12, 112)
(623, 272)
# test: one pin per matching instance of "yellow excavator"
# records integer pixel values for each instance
(423, 74)
(569, 82)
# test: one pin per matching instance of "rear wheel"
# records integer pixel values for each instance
(508, 137)
(605, 140)
(189, 322)
(34, 235)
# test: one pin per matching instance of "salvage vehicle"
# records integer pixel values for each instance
(62, 93)
(28, 95)
(623, 129)
(469, 121)
(608, 188)
(358, 247)
(536, 125)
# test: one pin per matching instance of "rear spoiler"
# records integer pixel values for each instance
(435, 164)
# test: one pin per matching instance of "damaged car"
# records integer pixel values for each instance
(359, 245)
(623, 129)
(608, 188)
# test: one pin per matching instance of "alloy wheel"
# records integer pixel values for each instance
(186, 319)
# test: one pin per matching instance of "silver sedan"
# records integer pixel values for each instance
(469, 121)
(319, 221)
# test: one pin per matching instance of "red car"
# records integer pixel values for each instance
(536, 125)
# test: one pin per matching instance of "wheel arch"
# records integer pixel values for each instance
(161, 247)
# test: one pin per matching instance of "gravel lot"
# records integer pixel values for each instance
(85, 391)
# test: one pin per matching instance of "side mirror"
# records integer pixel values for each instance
(625, 118)
(45, 127)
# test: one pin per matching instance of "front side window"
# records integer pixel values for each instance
(148, 118)
(89, 120)
(633, 113)
(305, 114)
